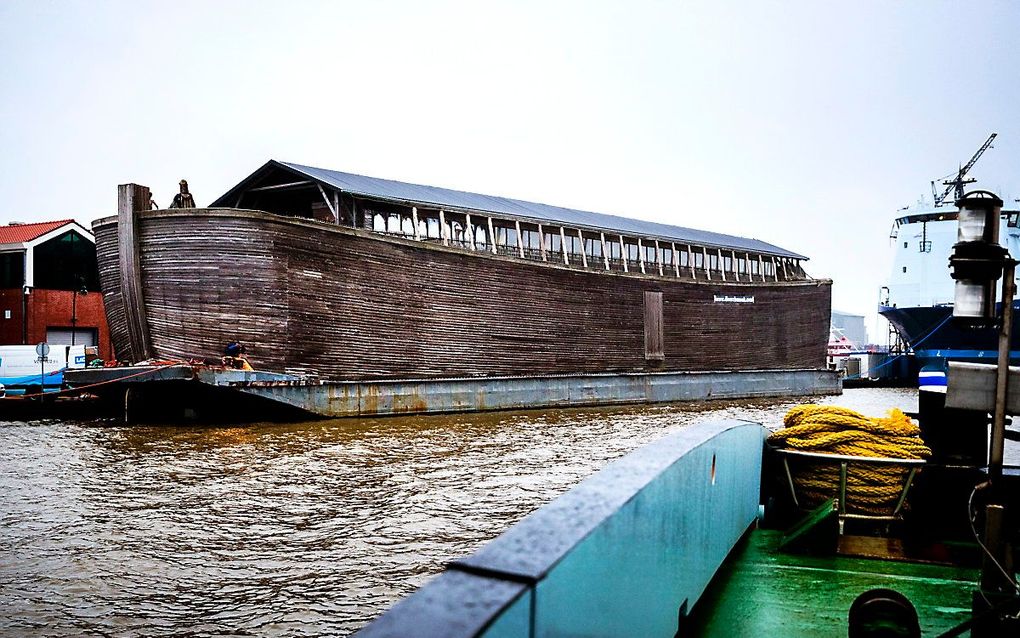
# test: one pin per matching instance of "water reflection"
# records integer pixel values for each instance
(303, 529)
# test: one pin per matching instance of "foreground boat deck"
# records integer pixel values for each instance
(760, 591)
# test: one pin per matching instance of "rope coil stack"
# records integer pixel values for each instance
(871, 489)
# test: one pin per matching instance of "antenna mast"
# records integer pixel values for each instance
(958, 182)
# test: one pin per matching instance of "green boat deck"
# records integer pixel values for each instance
(760, 591)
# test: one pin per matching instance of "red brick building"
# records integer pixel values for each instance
(49, 286)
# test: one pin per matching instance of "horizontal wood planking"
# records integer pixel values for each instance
(310, 297)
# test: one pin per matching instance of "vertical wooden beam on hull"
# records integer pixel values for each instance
(584, 256)
(492, 237)
(520, 238)
(470, 230)
(132, 198)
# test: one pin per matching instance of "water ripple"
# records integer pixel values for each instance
(309, 529)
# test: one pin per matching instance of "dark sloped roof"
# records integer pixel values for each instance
(391, 190)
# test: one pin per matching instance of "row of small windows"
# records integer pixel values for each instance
(577, 248)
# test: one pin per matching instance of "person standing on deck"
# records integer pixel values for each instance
(183, 199)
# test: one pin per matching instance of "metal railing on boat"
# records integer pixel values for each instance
(910, 466)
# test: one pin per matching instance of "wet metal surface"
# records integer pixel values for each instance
(764, 592)
(370, 398)
(288, 530)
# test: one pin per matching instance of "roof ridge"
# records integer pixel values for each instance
(55, 221)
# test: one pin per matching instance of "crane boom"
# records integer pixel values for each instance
(959, 181)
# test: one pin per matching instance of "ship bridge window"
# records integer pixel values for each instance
(457, 235)
(573, 247)
(431, 230)
(506, 239)
(436, 228)
(615, 256)
(1013, 219)
(593, 247)
(632, 253)
(530, 239)
(649, 246)
(552, 241)
(904, 244)
(510, 238)
(665, 255)
(482, 238)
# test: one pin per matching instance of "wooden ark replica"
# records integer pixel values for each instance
(347, 277)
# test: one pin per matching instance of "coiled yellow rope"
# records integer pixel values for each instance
(872, 489)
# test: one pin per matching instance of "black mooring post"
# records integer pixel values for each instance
(997, 567)
(995, 452)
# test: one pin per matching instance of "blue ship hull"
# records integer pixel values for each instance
(936, 338)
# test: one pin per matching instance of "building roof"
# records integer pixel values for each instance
(22, 233)
(390, 190)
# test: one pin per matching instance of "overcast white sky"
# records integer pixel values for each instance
(804, 124)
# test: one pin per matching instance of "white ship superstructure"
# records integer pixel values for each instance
(922, 241)
(918, 299)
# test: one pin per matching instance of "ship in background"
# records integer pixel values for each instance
(918, 301)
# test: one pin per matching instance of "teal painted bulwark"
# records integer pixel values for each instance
(423, 396)
(619, 555)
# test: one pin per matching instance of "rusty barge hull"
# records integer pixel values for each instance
(347, 304)
(185, 392)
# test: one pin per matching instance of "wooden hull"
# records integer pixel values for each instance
(315, 298)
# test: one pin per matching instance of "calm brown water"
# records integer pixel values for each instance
(288, 530)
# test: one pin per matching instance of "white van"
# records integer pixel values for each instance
(22, 371)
